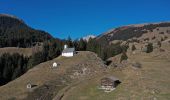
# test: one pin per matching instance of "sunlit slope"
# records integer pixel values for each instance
(50, 80)
(151, 82)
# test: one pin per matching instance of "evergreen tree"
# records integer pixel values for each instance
(149, 48)
(133, 47)
(69, 42)
(92, 45)
(12, 66)
(17, 72)
(82, 45)
(123, 57)
(75, 45)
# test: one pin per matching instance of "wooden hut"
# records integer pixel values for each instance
(109, 83)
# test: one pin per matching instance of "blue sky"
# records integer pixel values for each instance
(78, 18)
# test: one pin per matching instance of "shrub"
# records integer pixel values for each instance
(166, 37)
(149, 48)
(123, 57)
(153, 38)
(161, 32)
(133, 47)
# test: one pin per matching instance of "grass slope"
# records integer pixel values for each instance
(49, 81)
(151, 82)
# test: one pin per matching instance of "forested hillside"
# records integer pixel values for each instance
(103, 49)
(15, 33)
(12, 66)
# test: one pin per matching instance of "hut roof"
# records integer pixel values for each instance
(68, 50)
(111, 78)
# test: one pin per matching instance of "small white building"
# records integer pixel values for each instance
(68, 52)
(55, 65)
(29, 86)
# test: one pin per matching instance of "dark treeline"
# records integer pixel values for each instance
(103, 49)
(12, 66)
(51, 49)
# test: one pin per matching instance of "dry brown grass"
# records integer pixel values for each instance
(11, 50)
(151, 82)
(147, 83)
(43, 74)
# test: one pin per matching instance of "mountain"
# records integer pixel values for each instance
(88, 37)
(15, 33)
(153, 30)
(142, 75)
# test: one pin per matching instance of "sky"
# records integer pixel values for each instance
(78, 18)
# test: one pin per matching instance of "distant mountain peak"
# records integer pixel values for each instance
(88, 37)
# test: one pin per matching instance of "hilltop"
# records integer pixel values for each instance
(149, 81)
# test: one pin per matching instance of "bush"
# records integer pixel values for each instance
(133, 47)
(161, 32)
(149, 48)
(123, 57)
(153, 38)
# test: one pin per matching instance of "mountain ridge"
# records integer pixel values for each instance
(130, 31)
(15, 33)
(11, 16)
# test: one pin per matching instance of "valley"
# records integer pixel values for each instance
(136, 55)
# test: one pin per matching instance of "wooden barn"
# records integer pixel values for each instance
(109, 83)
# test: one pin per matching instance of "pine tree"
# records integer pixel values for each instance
(133, 47)
(17, 72)
(69, 42)
(149, 48)
(82, 45)
(123, 57)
